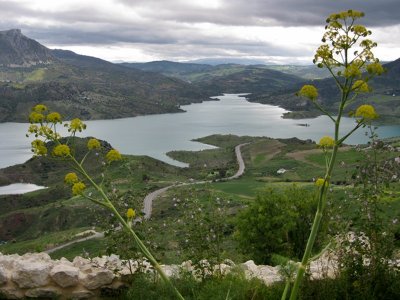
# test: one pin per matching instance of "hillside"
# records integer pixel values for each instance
(385, 95)
(198, 71)
(224, 78)
(83, 86)
(19, 51)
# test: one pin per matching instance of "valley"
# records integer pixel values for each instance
(198, 163)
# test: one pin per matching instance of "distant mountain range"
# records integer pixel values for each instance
(92, 88)
(81, 86)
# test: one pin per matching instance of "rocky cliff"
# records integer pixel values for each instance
(18, 50)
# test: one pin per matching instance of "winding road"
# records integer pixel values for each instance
(148, 200)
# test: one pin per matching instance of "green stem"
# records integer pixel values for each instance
(321, 206)
(286, 290)
(138, 241)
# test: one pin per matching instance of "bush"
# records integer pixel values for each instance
(276, 222)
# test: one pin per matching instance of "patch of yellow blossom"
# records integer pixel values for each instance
(366, 111)
(309, 91)
(39, 147)
(93, 144)
(78, 188)
(71, 178)
(36, 117)
(54, 117)
(76, 125)
(130, 213)
(61, 150)
(321, 182)
(326, 142)
(40, 108)
(360, 86)
(113, 155)
(375, 68)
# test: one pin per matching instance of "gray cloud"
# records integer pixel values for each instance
(273, 12)
(171, 28)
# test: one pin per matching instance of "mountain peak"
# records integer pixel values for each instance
(17, 50)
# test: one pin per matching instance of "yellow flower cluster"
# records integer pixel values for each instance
(354, 14)
(76, 125)
(40, 108)
(326, 142)
(33, 128)
(93, 144)
(321, 182)
(54, 117)
(78, 188)
(360, 86)
(71, 178)
(130, 214)
(375, 68)
(113, 155)
(309, 91)
(360, 30)
(323, 52)
(61, 150)
(352, 70)
(39, 147)
(36, 117)
(366, 111)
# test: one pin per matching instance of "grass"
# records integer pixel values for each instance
(42, 243)
(233, 286)
(36, 75)
(90, 248)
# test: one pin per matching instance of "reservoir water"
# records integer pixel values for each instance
(19, 188)
(155, 135)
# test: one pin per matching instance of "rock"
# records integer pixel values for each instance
(229, 262)
(95, 278)
(11, 293)
(65, 275)
(8, 261)
(269, 274)
(31, 274)
(80, 261)
(249, 267)
(36, 257)
(81, 294)
(3, 276)
(46, 293)
(171, 270)
(222, 269)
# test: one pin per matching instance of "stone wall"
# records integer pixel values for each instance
(36, 275)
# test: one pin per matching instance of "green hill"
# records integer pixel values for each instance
(83, 86)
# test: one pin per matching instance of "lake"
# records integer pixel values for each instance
(19, 188)
(155, 135)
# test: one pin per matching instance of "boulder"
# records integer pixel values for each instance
(43, 293)
(3, 276)
(81, 294)
(28, 274)
(250, 268)
(65, 275)
(94, 278)
(171, 270)
(11, 293)
(8, 261)
(269, 274)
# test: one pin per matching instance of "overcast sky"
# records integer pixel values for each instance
(279, 31)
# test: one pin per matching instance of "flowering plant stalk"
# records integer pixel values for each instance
(44, 128)
(351, 71)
